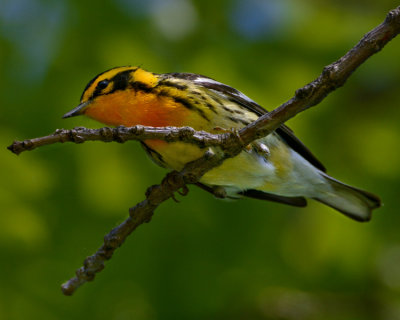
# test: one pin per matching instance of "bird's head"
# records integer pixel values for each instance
(109, 96)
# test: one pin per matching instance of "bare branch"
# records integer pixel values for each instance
(139, 214)
(119, 134)
(332, 77)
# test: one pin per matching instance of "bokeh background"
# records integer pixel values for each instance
(201, 258)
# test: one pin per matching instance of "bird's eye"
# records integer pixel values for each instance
(103, 84)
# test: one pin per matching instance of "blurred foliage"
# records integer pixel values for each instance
(201, 258)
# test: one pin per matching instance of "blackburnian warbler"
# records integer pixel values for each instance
(277, 168)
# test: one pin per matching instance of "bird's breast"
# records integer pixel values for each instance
(130, 107)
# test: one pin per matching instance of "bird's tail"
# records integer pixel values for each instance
(353, 202)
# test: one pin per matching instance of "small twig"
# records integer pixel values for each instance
(332, 77)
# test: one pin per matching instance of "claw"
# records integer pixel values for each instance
(235, 132)
(184, 191)
(175, 199)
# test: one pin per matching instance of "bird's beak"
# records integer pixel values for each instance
(77, 111)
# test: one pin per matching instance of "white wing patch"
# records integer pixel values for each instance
(201, 80)
(207, 81)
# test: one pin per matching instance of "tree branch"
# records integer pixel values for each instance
(230, 144)
(119, 134)
(332, 77)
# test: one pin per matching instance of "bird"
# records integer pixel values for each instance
(278, 167)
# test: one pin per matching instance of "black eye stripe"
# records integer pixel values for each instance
(93, 80)
(119, 81)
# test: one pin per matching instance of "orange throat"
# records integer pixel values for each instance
(130, 108)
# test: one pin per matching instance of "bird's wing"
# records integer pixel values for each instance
(238, 97)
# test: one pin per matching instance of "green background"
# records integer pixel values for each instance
(201, 258)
